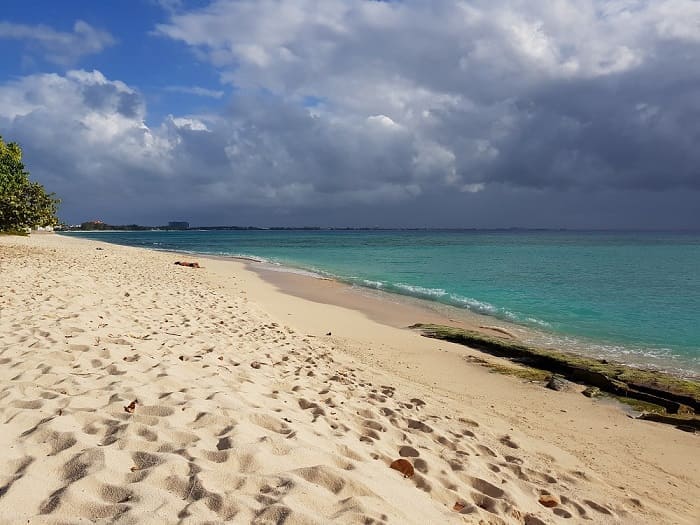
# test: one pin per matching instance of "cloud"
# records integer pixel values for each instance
(63, 48)
(169, 5)
(575, 94)
(86, 136)
(196, 90)
(444, 109)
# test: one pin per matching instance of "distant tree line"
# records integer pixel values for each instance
(23, 203)
(102, 226)
(99, 225)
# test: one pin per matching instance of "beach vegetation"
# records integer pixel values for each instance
(23, 203)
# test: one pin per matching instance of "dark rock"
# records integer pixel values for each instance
(591, 391)
(687, 424)
(558, 383)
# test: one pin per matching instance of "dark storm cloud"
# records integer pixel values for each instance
(430, 113)
(273, 139)
(590, 94)
(625, 131)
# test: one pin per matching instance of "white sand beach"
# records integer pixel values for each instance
(246, 411)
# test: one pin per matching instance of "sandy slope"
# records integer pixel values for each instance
(249, 414)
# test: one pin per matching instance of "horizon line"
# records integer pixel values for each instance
(121, 227)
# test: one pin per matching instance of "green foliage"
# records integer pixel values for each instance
(18, 233)
(23, 203)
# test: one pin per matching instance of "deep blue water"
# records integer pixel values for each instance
(632, 295)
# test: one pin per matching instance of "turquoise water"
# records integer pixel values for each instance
(635, 296)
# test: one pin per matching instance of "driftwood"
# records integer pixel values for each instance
(187, 263)
(690, 424)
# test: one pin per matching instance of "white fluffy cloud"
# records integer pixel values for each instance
(299, 46)
(87, 135)
(58, 46)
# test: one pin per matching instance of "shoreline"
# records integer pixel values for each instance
(408, 310)
(303, 282)
(405, 309)
(503, 342)
(481, 336)
(239, 383)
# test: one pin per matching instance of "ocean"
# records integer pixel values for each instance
(631, 296)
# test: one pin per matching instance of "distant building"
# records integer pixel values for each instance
(178, 225)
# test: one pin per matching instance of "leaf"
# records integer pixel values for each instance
(404, 466)
(458, 506)
(131, 407)
(548, 501)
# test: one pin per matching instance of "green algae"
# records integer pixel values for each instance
(523, 372)
(526, 373)
(639, 406)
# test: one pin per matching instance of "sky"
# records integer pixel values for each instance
(405, 113)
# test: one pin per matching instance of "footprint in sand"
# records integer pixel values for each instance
(60, 441)
(487, 488)
(408, 452)
(114, 493)
(486, 450)
(420, 465)
(418, 425)
(597, 507)
(507, 441)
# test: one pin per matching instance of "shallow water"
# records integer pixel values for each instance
(634, 296)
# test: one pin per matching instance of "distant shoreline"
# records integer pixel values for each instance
(139, 228)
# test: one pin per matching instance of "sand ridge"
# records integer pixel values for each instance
(238, 417)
